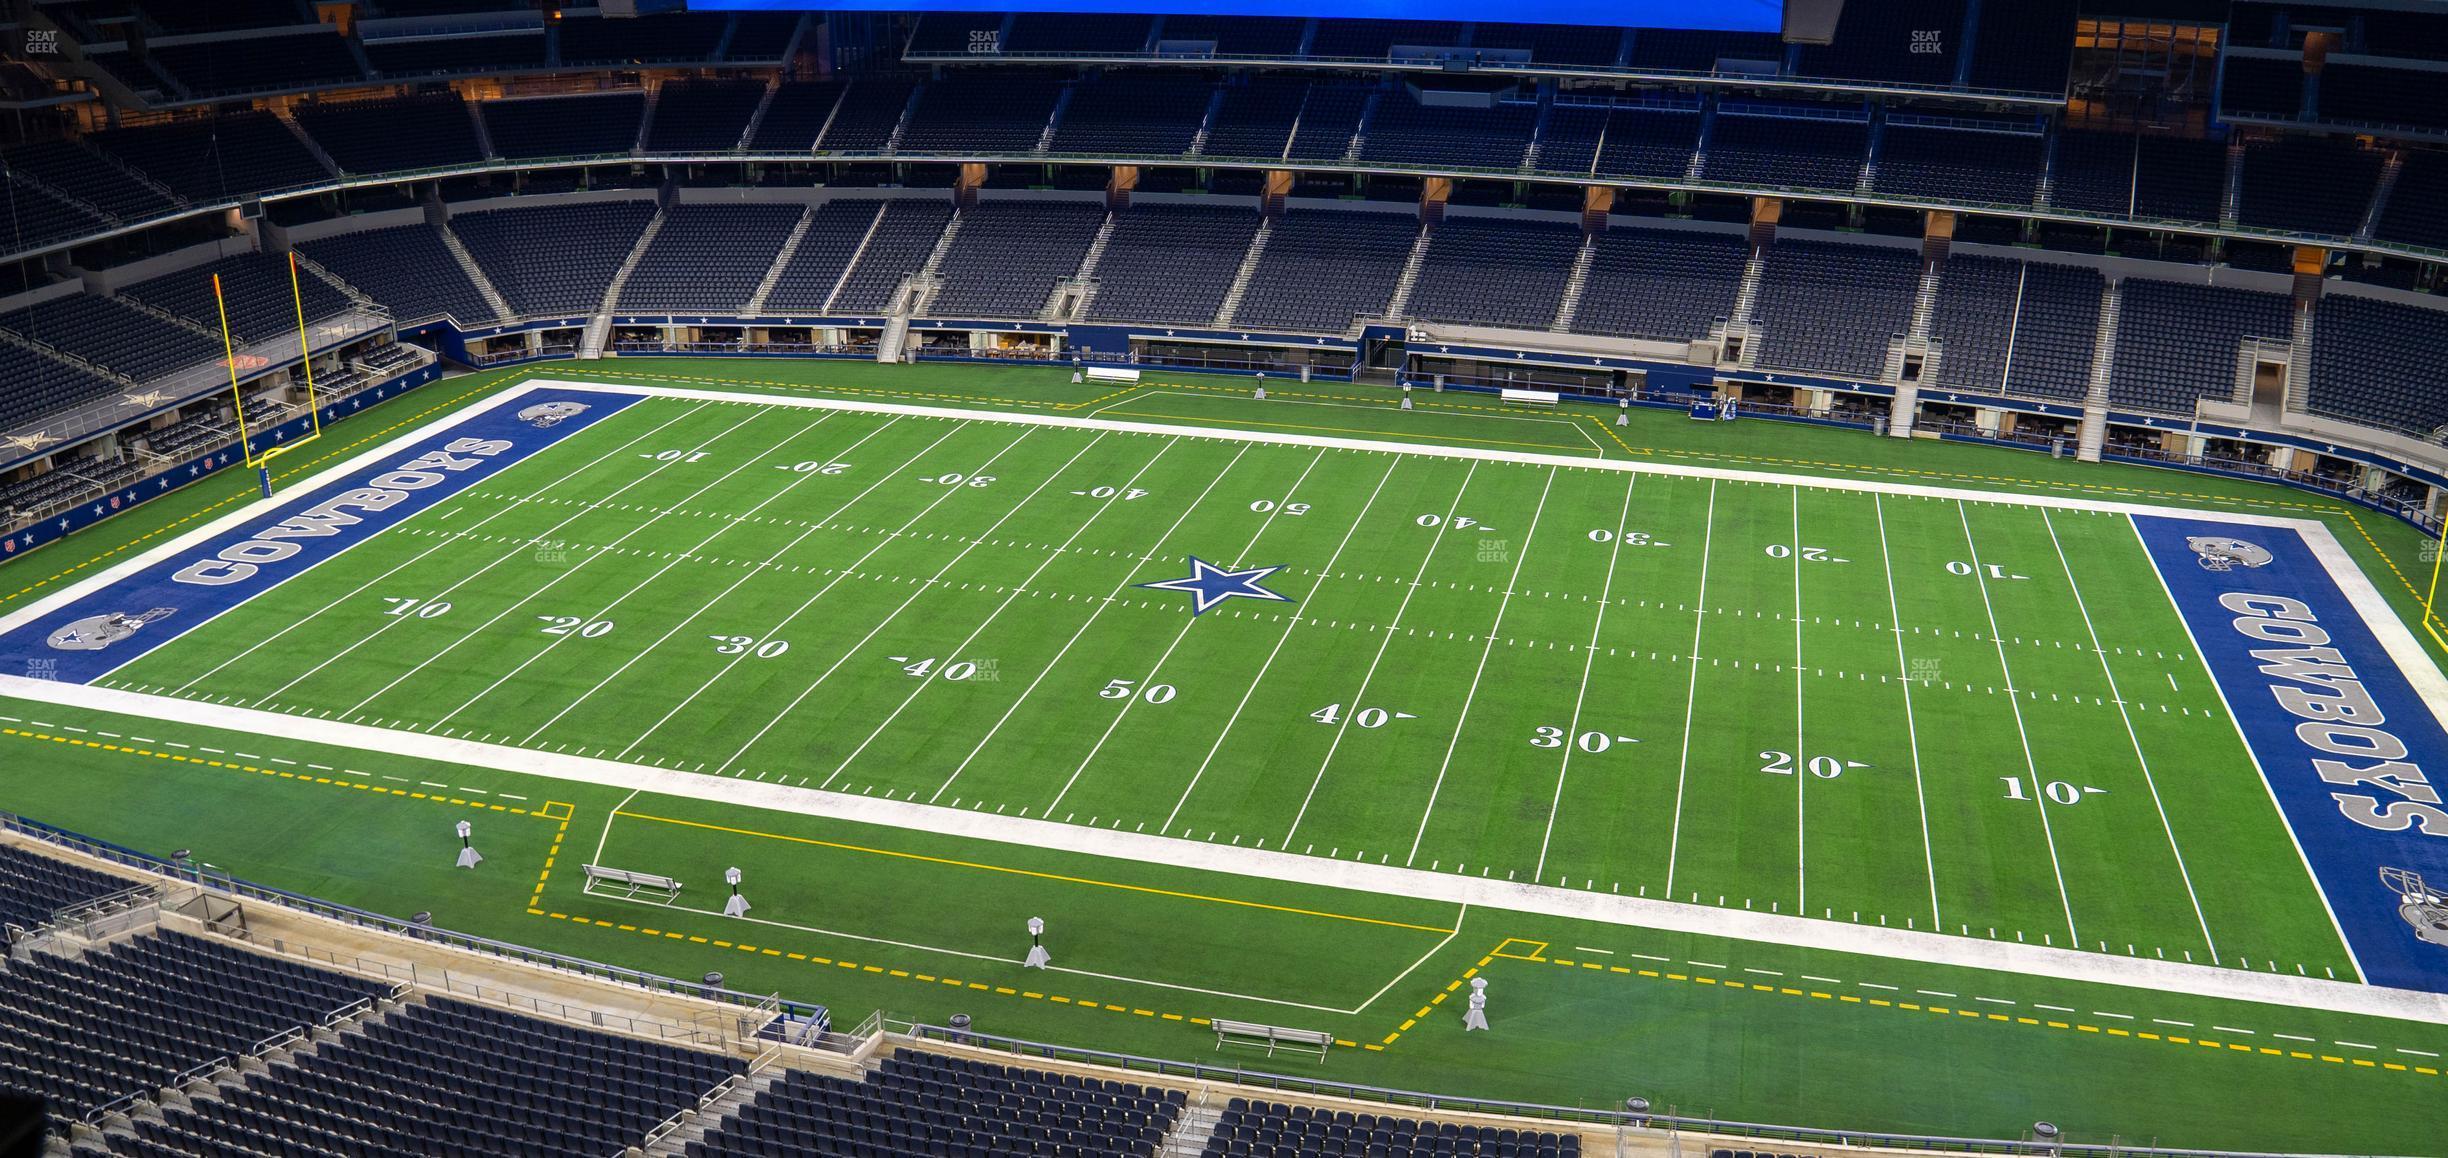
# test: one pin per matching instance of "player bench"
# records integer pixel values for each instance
(603, 880)
(1110, 374)
(1272, 1037)
(1512, 396)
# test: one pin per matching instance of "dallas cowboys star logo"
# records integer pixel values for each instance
(1209, 585)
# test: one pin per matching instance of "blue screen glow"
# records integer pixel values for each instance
(1719, 15)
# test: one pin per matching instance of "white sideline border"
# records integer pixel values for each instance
(1802, 932)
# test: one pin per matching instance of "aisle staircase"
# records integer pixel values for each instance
(2094, 432)
(1242, 276)
(599, 328)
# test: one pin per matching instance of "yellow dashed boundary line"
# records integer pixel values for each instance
(1901, 1006)
(552, 810)
(1032, 873)
(1088, 1003)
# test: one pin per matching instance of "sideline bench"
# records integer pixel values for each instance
(1272, 1037)
(1110, 374)
(1518, 397)
(602, 879)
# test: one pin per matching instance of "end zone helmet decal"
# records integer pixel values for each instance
(2217, 553)
(95, 632)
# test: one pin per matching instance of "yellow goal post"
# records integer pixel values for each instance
(260, 460)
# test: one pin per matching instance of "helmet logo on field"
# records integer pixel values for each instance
(544, 415)
(2219, 553)
(2419, 904)
(95, 632)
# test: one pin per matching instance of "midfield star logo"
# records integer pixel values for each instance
(1210, 585)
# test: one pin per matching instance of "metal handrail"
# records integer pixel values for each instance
(1612, 1119)
(723, 156)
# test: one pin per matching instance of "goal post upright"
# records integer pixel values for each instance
(229, 357)
(297, 298)
(2430, 603)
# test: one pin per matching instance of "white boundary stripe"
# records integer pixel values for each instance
(258, 509)
(2071, 965)
(2135, 738)
(1243, 861)
(2255, 756)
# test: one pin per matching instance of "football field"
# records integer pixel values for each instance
(1868, 706)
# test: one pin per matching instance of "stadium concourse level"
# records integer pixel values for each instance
(170, 1044)
(64, 351)
(64, 189)
(2001, 322)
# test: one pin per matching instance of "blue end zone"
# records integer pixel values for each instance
(115, 624)
(2340, 734)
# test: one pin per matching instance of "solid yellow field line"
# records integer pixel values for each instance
(1039, 875)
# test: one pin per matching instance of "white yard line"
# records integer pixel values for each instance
(1912, 731)
(1360, 695)
(721, 595)
(1801, 752)
(605, 836)
(677, 558)
(2237, 722)
(1149, 680)
(1292, 624)
(565, 573)
(445, 541)
(1094, 614)
(1017, 590)
(2014, 701)
(1589, 660)
(1408, 970)
(2133, 737)
(914, 596)
(1471, 696)
(574, 516)
(1691, 689)
(844, 573)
